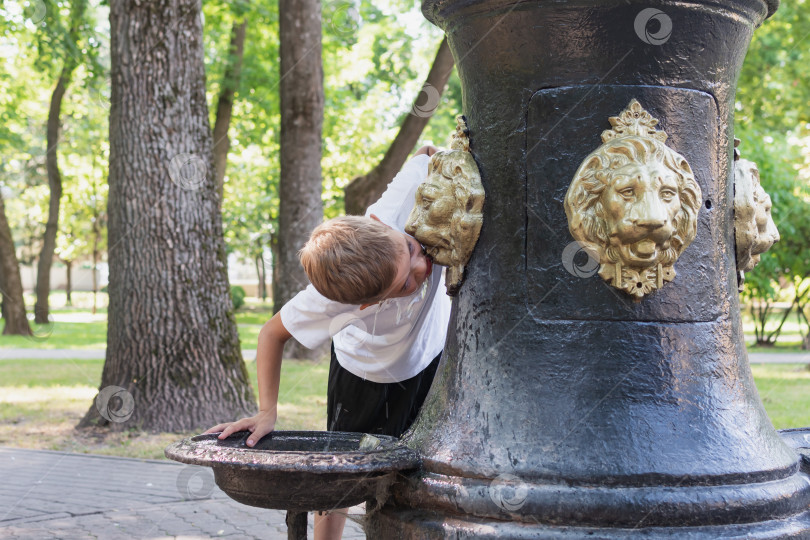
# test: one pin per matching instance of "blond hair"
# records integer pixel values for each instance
(351, 259)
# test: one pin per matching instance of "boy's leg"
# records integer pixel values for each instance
(405, 398)
(354, 404)
(357, 405)
(351, 404)
(329, 525)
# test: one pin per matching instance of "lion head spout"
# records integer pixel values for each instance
(633, 204)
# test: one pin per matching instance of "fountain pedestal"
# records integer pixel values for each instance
(564, 406)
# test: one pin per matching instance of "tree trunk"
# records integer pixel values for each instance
(10, 282)
(261, 290)
(68, 284)
(96, 240)
(365, 190)
(301, 88)
(41, 307)
(172, 345)
(230, 82)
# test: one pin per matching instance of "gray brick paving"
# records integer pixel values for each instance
(61, 495)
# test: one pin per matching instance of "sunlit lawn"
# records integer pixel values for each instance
(785, 391)
(42, 400)
(63, 333)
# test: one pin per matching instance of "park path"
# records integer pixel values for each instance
(250, 354)
(76, 496)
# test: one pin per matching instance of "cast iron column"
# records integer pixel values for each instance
(564, 408)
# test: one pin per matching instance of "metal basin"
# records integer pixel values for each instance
(299, 470)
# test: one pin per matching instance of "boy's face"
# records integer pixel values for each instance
(413, 266)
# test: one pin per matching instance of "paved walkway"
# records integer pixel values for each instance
(250, 354)
(76, 496)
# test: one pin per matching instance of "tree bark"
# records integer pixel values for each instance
(96, 239)
(261, 290)
(230, 83)
(172, 344)
(365, 190)
(41, 307)
(301, 89)
(10, 282)
(68, 284)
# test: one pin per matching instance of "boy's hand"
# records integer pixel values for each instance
(429, 150)
(259, 425)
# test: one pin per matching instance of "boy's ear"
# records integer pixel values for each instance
(375, 218)
(364, 306)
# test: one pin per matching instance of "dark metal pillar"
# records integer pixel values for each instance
(562, 407)
(296, 525)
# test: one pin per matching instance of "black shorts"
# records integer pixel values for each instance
(355, 404)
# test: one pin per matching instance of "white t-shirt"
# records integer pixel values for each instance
(387, 342)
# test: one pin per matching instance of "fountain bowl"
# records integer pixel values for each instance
(300, 470)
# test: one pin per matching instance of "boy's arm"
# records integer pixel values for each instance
(272, 338)
(427, 150)
(395, 204)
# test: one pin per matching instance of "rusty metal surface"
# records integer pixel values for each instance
(298, 470)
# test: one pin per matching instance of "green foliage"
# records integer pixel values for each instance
(238, 296)
(64, 34)
(773, 123)
(376, 57)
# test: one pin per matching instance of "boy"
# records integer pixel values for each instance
(379, 297)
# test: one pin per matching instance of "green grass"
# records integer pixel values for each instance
(61, 335)
(80, 301)
(785, 391)
(253, 317)
(93, 335)
(41, 401)
(780, 347)
(50, 373)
